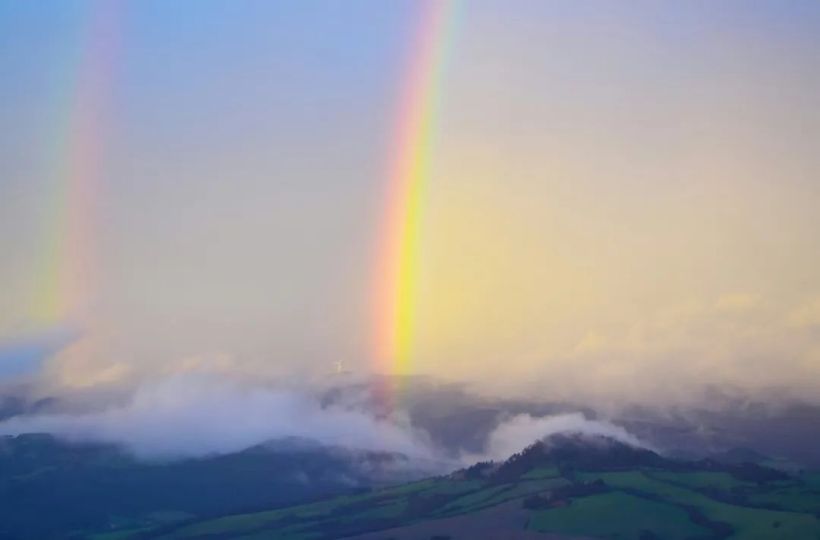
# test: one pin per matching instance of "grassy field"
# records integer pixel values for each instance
(796, 498)
(701, 480)
(541, 472)
(620, 516)
(522, 489)
(747, 523)
(465, 502)
(661, 500)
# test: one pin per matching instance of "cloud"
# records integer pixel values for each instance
(195, 415)
(807, 315)
(670, 355)
(737, 302)
(522, 430)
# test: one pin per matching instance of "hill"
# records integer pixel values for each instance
(52, 489)
(565, 487)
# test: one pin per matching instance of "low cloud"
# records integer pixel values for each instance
(193, 415)
(522, 430)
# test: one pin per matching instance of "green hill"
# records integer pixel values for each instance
(50, 489)
(568, 487)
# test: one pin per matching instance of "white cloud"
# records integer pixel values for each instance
(522, 430)
(194, 415)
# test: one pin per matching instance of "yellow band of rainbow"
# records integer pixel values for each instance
(398, 264)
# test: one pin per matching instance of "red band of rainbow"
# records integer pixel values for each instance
(397, 267)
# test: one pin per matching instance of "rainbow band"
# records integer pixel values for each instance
(66, 279)
(398, 265)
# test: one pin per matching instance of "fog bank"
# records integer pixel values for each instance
(188, 416)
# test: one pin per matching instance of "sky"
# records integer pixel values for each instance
(624, 197)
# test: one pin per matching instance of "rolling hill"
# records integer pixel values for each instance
(568, 487)
(53, 489)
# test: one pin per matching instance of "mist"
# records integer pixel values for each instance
(522, 430)
(198, 415)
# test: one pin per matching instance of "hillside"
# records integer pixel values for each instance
(566, 487)
(52, 489)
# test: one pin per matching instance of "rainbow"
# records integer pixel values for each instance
(66, 277)
(398, 254)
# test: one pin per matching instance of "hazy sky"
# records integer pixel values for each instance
(625, 195)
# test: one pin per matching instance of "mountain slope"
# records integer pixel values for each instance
(567, 487)
(51, 489)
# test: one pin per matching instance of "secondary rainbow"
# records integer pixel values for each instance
(66, 274)
(399, 252)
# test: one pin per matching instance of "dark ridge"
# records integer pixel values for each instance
(577, 451)
(85, 486)
(747, 472)
(738, 456)
(570, 452)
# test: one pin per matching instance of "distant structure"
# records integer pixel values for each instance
(339, 367)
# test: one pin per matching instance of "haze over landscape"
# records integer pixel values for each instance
(427, 232)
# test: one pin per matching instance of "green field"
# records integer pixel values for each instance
(586, 497)
(701, 480)
(747, 522)
(620, 516)
(541, 472)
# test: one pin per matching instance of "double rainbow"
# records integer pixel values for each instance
(399, 252)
